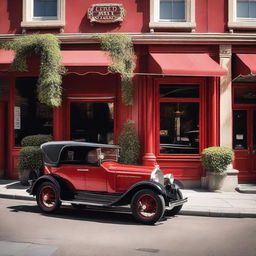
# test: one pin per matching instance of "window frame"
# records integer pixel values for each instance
(188, 23)
(202, 114)
(234, 22)
(29, 21)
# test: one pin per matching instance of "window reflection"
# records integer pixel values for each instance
(240, 129)
(92, 122)
(179, 127)
(30, 116)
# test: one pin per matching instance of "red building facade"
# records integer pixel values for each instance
(194, 83)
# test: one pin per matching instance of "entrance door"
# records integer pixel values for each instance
(244, 143)
(91, 121)
(3, 142)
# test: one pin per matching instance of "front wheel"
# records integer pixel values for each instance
(176, 209)
(47, 197)
(147, 206)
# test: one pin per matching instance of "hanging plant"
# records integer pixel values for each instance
(121, 51)
(51, 70)
(129, 143)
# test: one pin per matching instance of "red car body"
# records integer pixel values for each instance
(89, 174)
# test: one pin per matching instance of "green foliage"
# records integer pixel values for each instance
(51, 70)
(30, 158)
(216, 159)
(35, 140)
(121, 51)
(129, 143)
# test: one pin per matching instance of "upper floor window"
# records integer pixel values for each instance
(242, 14)
(45, 9)
(43, 13)
(246, 9)
(173, 10)
(176, 14)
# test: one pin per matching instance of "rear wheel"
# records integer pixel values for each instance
(176, 209)
(147, 206)
(47, 197)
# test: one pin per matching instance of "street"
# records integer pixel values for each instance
(90, 232)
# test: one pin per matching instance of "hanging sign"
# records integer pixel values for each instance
(106, 13)
(17, 119)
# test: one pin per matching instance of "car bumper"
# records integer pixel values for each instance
(176, 203)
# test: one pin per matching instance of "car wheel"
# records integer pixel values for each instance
(47, 197)
(147, 206)
(176, 209)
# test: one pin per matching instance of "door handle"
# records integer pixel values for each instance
(83, 170)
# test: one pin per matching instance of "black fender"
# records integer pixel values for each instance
(148, 184)
(60, 183)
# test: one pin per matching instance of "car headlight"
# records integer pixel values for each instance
(168, 179)
(157, 175)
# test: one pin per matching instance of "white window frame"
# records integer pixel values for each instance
(156, 22)
(235, 22)
(29, 21)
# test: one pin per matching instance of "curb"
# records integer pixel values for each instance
(189, 212)
(18, 197)
(208, 213)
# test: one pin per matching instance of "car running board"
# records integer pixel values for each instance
(84, 202)
(176, 203)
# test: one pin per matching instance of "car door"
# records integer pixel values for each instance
(95, 178)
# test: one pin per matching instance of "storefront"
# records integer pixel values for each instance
(193, 86)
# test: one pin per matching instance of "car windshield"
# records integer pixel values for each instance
(109, 154)
(88, 155)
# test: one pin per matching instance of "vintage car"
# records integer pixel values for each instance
(88, 174)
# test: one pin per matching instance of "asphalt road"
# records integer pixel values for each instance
(24, 230)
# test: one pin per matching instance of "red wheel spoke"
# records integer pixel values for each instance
(147, 206)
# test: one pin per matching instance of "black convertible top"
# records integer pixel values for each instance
(52, 150)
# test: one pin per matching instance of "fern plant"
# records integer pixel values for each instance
(51, 70)
(122, 54)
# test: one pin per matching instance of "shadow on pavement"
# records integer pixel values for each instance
(4, 182)
(17, 185)
(88, 214)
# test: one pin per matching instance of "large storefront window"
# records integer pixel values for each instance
(92, 122)
(179, 119)
(30, 116)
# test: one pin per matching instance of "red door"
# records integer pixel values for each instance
(244, 143)
(3, 142)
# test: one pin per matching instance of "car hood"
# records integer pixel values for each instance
(116, 167)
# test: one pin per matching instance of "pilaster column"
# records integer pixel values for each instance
(226, 96)
(149, 157)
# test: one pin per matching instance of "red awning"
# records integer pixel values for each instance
(6, 58)
(244, 64)
(184, 64)
(75, 61)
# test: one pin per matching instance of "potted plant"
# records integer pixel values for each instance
(216, 161)
(30, 157)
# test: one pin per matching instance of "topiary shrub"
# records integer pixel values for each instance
(51, 70)
(216, 159)
(129, 143)
(30, 158)
(35, 140)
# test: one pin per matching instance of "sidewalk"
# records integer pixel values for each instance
(200, 202)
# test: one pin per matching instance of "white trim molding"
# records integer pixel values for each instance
(189, 22)
(28, 21)
(238, 23)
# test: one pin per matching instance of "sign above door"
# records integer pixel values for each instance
(106, 13)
